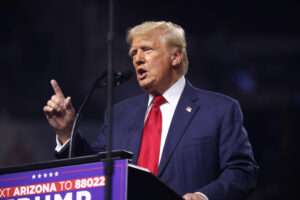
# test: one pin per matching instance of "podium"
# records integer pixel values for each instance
(82, 178)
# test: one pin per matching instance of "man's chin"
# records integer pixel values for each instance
(147, 86)
(150, 89)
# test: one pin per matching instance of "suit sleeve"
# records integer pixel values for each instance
(238, 168)
(82, 147)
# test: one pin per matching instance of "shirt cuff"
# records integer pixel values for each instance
(60, 146)
(203, 195)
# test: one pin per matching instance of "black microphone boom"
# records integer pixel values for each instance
(100, 82)
(118, 78)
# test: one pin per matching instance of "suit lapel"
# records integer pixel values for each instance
(186, 108)
(136, 126)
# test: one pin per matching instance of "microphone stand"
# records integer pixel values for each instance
(100, 82)
(109, 163)
(77, 117)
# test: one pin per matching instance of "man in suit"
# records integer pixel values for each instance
(192, 139)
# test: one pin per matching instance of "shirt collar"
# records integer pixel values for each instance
(173, 93)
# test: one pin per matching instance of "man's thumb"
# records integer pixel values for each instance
(68, 103)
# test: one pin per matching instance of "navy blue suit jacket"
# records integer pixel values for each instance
(206, 150)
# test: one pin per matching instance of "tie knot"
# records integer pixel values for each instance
(158, 100)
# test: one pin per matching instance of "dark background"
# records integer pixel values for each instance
(246, 49)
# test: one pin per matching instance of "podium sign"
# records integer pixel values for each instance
(75, 182)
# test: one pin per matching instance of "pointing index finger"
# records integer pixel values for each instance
(57, 89)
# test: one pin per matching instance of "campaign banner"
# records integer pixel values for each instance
(76, 182)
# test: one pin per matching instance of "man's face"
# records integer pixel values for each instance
(152, 60)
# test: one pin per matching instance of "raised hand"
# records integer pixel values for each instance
(60, 113)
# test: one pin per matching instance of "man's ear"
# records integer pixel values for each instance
(176, 58)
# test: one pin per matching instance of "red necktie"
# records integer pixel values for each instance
(150, 145)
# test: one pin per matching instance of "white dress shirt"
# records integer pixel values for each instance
(172, 96)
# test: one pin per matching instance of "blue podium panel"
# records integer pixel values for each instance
(74, 182)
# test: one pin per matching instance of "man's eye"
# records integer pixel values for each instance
(147, 49)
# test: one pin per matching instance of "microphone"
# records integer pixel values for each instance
(121, 77)
(118, 78)
(100, 82)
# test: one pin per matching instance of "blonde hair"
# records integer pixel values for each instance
(173, 35)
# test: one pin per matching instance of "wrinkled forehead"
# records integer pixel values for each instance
(141, 43)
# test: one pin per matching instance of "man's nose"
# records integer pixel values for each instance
(139, 58)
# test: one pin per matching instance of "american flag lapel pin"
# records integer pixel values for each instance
(188, 109)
